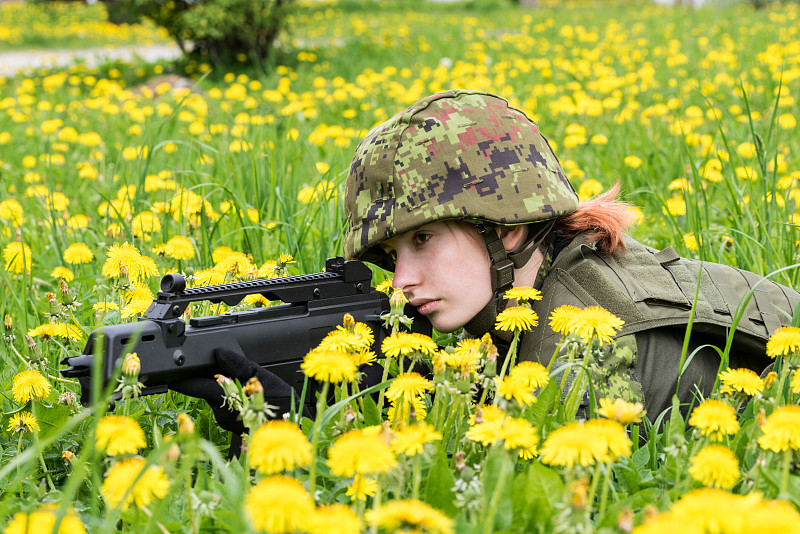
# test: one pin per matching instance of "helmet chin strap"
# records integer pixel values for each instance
(502, 271)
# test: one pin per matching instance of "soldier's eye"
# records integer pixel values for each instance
(421, 238)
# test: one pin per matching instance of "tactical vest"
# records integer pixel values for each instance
(649, 289)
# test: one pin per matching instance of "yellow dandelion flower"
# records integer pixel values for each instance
(138, 299)
(145, 223)
(488, 413)
(486, 433)
(742, 380)
(23, 422)
(561, 319)
(385, 287)
(347, 456)
(361, 488)
(523, 294)
(153, 483)
(236, 262)
(280, 505)
(11, 210)
(634, 162)
(278, 446)
(616, 442)
(573, 444)
(674, 206)
(404, 343)
(411, 440)
(105, 306)
(62, 330)
(30, 385)
(139, 267)
(795, 383)
(516, 319)
(17, 257)
(621, 411)
(714, 419)
(404, 410)
(466, 355)
(519, 435)
(715, 466)
(335, 519)
(515, 387)
(331, 366)
(410, 385)
(179, 248)
(344, 341)
(220, 252)
(716, 510)
(781, 430)
(43, 520)
(784, 341)
(117, 434)
(410, 516)
(596, 322)
(63, 273)
(533, 374)
(364, 332)
(772, 517)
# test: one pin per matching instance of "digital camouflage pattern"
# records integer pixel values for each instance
(454, 155)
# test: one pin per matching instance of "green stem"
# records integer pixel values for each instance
(787, 460)
(593, 488)
(501, 481)
(383, 379)
(417, 476)
(511, 356)
(604, 494)
(312, 472)
(376, 501)
(555, 353)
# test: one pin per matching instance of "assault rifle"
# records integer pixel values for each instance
(276, 337)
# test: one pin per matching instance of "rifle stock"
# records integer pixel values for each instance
(276, 337)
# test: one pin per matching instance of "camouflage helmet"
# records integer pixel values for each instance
(453, 155)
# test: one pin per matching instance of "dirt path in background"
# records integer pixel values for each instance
(13, 62)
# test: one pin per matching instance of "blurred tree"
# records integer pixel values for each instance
(216, 30)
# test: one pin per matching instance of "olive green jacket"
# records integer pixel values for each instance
(653, 291)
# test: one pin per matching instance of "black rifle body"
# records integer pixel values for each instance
(275, 337)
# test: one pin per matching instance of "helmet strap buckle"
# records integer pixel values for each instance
(502, 275)
(502, 270)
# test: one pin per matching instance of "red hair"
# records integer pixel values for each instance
(603, 217)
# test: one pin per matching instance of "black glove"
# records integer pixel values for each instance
(237, 367)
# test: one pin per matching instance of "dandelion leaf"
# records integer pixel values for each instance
(371, 414)
(439, 488)
(51, 419)
(492, 469)
(535, 499)
(545, 403)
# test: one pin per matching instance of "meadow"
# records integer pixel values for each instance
(110, 177)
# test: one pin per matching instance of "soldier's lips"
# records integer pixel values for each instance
(425, 306)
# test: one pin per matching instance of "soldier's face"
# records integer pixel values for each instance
(443, 269)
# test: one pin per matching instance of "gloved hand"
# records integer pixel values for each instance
(237, 367)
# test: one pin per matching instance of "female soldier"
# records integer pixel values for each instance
(463, 198)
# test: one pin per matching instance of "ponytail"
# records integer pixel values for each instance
(603, 218)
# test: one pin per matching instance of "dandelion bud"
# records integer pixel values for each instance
(231, 274)
(228, 387)
(189, 271)
(770, 379)
(348, 321)
(66, 296)
(185, 424)
(479, 416)
(761, 418)
(253, 386)
(397, 302)
(490, 369)
(67, 455)
(131, 365)
(460, 463)
(349, 414)
(8, 323)
(464, 383)
(173, 453)
(579, 490)
(625, 520)
(650, 511)
(55, 307)
(67, 398)
(31, 343)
